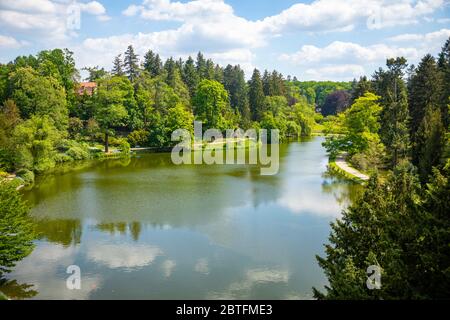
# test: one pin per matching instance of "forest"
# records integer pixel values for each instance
(393, 126)
(47, 116)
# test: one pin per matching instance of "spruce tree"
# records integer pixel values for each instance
(444, 67)
(391, 87)
(118, 66)
(152, 63)
(256, 96)
(201, 66)
(359, 88)
(131, 63)
(190, 76)
(425, 89)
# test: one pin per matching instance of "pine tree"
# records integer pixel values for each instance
(234, 83)
(210, 71)
(425, 89)
(444, 67)
(131, 63)
(400, 227)
(256, 96)
(190, 76)
(152, 63)
(430, 141)
(118, 66)
(359, 88)
(389, 85)
(267, 84)
(201, 66)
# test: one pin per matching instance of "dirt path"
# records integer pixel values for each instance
(341, 163)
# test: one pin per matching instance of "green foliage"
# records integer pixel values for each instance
(9, 119)
(400, 227)
(16, 230)
(138, 138)
(39, 95)
(35, 141)
(427, 121)
(317, 91)
(211, 104)
(358, 126)
(26, 175)
(394, 131)
(256, 96)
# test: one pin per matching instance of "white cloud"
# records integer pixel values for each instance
(338, 51)
(41, 6)
(319, 15)
(10, 42)
(93, 7)
(437, 37)
(44, 20)
(338, 72)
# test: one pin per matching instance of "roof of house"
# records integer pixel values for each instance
(88, 84)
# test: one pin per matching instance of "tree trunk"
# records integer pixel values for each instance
(106, 142)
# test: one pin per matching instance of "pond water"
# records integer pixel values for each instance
(143, 228)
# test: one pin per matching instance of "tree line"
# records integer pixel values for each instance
(139, 102)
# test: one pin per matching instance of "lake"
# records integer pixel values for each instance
(143, 228)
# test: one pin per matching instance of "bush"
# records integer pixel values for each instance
(124, 146)
(138, 138)
(26, 175)
(79, 152)
(62, 157)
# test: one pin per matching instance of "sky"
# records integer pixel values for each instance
(312, 40)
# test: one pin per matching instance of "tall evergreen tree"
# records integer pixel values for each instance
(444, 67)
(201, 66)
(267, 84)
(190, 76)
(118, 66)
(425, 89)
(390, 86)
(256, 96)
(152, 63)
(131, 63)
(359, 88)
(234, 83)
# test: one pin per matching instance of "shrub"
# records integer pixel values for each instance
(78, 152)
(124, 146)
(138, 138)
(62, 157)
(26, 175)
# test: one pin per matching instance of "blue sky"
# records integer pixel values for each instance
(313, 40)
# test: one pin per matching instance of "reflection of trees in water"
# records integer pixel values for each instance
(14, 290)
(266, 189)
(345, 192)
(65, 232)
(123, 228)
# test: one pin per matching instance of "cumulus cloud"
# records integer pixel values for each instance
(44, 20)
(338, 51)
(10, 43)
(346, 60)
(436, 37)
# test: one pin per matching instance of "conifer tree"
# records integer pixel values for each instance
(118, 66)
(256, 96)
(131, 63)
